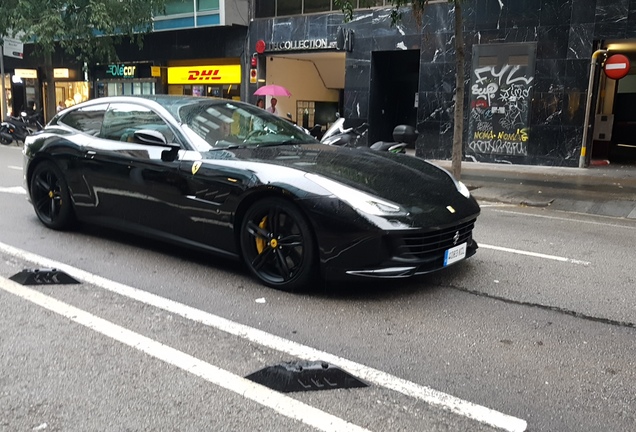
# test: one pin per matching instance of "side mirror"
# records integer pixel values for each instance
(156, 138)
(150, 137)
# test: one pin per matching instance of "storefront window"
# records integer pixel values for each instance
(70, 93)
(206, 5)
(130, 88)
(289, 7)
(312, 6)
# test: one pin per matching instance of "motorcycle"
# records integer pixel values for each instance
(338, 135)
(18, 128)
(403, 136)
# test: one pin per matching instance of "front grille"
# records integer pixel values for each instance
(425, 245)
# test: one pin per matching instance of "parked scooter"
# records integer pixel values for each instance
(18, 128)
(338, 135)
(403, 136)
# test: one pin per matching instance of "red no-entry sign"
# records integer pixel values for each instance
(617, 66)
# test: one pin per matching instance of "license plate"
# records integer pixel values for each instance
(455, 254)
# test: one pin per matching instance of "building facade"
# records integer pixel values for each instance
(530, 84)
(196, 47)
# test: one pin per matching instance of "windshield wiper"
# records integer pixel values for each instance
(282, 143)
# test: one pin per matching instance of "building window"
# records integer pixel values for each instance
(206, 5)
(273, 8)
(312, 6)
(175, 7)
(289, 7)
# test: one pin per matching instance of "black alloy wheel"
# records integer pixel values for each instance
(277, 245)
(50, 196)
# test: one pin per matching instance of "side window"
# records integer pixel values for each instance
(123, 119)
(88, 119)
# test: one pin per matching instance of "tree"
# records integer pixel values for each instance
(418, 7)
(89, 30)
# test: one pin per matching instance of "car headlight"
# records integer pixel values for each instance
(461, 187)
(358, 200)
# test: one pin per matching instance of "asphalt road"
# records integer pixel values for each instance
(538, 327)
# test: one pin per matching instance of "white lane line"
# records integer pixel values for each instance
(278, 402)
(535, 254)
(18, 190)
(431, 396)
(570, 220)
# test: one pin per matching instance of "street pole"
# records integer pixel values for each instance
(588, 107)
(3, 96)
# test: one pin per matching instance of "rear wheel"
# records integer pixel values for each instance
(50, 196)
(277, 245)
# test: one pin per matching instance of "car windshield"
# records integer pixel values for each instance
(214, 124)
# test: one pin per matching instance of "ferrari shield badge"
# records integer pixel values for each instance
(195, 167)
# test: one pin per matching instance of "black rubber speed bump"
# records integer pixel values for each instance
(305, 376)
(42, 277)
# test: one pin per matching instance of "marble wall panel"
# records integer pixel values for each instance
(489, 14)
(521, 13)
(577, 74)
(357, 75)
(437, 77)
(548, 74)
(356, 104)
(555, 12)
(585, 14)
(552, 42)
(612, 10)
(581, 41)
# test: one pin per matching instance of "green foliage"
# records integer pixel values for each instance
(88, 29)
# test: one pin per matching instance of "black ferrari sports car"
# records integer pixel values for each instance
(229, 178)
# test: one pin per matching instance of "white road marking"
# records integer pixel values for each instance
(15, 167)
(434, 397)
(18, 190)
(534, 254)
(570, 219)
(278, 402)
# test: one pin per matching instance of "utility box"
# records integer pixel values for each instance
(603, 124)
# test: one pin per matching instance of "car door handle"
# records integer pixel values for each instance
(90, 154)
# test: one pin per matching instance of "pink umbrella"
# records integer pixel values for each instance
(272, 90)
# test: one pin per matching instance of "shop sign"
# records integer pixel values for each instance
(225, 74)
(26, 73)
(121, 71)
(302, 45)
(61, 73)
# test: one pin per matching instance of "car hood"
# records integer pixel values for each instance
(409, 181)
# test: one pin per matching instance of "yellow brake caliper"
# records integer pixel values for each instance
(261, 243)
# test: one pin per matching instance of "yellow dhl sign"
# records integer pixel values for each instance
(226, 74)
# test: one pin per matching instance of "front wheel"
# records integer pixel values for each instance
(50, 196)
(5, 137)
(277, 245)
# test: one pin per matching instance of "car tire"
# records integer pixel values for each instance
(50, 197)
(277, 245)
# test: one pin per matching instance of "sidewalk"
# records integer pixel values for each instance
(602, 190)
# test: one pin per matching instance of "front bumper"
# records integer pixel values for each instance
(394, 255)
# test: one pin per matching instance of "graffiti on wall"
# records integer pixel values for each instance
(500, 103)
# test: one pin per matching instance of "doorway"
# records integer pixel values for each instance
(393, 92)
